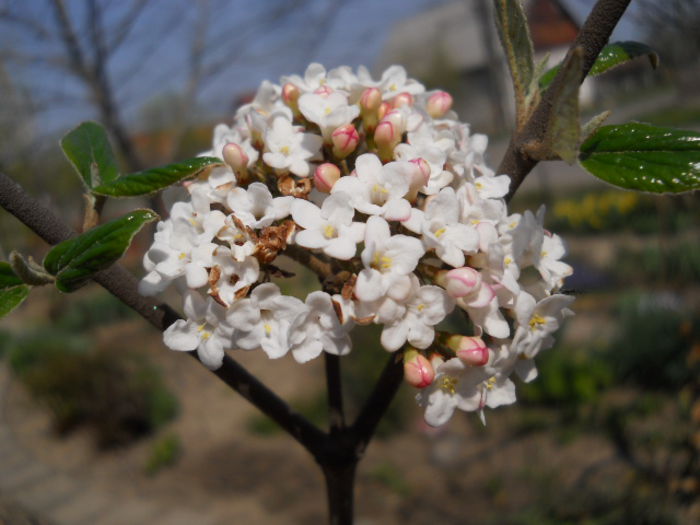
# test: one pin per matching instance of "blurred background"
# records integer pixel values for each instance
(99, 423)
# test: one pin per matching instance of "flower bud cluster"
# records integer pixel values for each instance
(378, 188)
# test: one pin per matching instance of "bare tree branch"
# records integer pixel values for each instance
(120, 283)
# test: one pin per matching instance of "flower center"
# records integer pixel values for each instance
(381, 262)
(439, 233)
(204, 333)
(536, 321)
(284, 150)
(449, 384)
(490, 383)
(329, 231)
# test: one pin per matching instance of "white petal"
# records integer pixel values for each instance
(369, 285)
(311, 239)
(394, 336)
(397, 210)
(341, 248)
(211, 353)
(196, 275)
(181, 335)
(306, 214)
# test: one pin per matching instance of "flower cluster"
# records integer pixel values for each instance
(378, 188)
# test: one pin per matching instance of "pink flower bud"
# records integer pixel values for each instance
(235, 156)
(290, 95)
(385, 135)
(402, 99)
(370, 100)
(345, 140)
(384, 108)
(424, 169)
(324, 91)
(398, 119)
(439, 103)
(417, 370)
(471, 350)
(325, 176)
(462, 281)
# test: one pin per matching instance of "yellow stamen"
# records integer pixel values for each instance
(536, 321)
(329, 231)
(182, 255)
(440, 232)
(381, 262)
(268, 328)
(284, 150)
(449, 384)
(421, 307)
(507, 261)
(327, 111)
(378, 188)
(490, 383)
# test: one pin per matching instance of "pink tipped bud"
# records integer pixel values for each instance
(384, 108)
(462, 281)
(325, 176)
(235, 156)
(417, 370)
(439, 103)
(385, 135)
(324, 91)
(370, 100)
(290, 95)
(345, 139)
(471, 350)
(402, 99)
(423, 169)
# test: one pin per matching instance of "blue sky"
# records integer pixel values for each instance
(153, 59)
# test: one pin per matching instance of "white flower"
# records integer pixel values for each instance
(204, 330)
(229, 275)
(378, 189)
(182, 248)
(256, 207)
(427, 306)
(264, 319)
(329, 112)
(288, 148)
(552, 270)
(388, 259)
(443, 231)
(329, 228)
(394, 81)
(467, 388)
(317, 329)
(538, 320)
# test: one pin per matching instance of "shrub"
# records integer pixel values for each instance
(118, 396)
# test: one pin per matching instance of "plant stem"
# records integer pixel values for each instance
(591, 39)
(334, 385)
(340, 485)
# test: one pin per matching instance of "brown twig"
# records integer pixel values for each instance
(591, 39)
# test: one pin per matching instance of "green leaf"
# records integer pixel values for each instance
(88, 149)
(76, 260)
(11, 298)
(594, 123)
(610, 57)
(517, 44)
(564, 131)
(12, 290)
(156, 179)
(8, 278)
(618, 53)
(643, 157)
